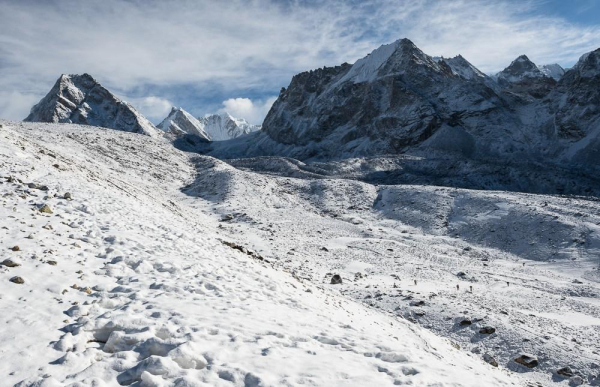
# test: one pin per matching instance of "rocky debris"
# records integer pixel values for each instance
(67, 196)
(576, 381)
(527, 360)
(461, 274)
(417, 303)
(46, 209)
(463, 321)
(324, 249)
(565, 371)
(227, 217)
(487, 330)
(490, 359)
(9, 263)
(17, 280)
(52, 263)
(336, 279)
(244, 250)
(15, 248)
(38, 187)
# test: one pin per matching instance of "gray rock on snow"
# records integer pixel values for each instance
(527, 360)
(336, 279)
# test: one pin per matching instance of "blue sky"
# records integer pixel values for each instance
(208, 56)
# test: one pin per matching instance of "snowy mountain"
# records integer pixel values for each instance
(399, 100)
(554, 71)
(221, 127)
(179, 123)
(80, 99)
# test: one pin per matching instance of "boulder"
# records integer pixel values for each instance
(490, 360)
(336, 279)
(17, 280)
(527, 360)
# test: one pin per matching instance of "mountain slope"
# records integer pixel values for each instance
(80, 99)
(129, 282)
(179, 122)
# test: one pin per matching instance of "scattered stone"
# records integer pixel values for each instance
(10, 179)
(576, 381)
(48, 227)
(576, 281)
(565, 371)
(465, 322)
(52, 263)
(490, 360)
(16, 248)
(417, 303)
(336, 279)
(527, 360)
(67, 196)
(227, 217)
(32, 185)
(46, 209)
(487, 330)
(461, 274)
(17, 280)
(324, 248)
(9, 263)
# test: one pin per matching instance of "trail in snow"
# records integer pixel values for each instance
(127, 282)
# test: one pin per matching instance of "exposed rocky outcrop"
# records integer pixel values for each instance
(80, 99)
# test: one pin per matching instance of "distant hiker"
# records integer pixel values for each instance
(471, 288)
(523, 263)
(507, 283)
(415, 282)
(457, 287)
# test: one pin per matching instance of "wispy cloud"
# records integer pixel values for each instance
(252, 111)
(249, 49)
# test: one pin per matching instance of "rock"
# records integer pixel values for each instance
(9, 263)
(576, 381)
(490, 360)
(67, 196)
(32, 185)
(17, 280)
(52, 263)
(46, 209)
(16, 248)
(565, 371)
(461, 274)
(336, 279)
(527, 360)
(324, 248)
(227, 217)
(487, 330)
(465, 322)
(417, 303)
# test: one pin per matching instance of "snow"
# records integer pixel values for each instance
(224, 126)
(554, 71)
(180, 122)
(129, 283)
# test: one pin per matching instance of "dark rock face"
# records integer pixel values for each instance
(80, 99)
(398, 100)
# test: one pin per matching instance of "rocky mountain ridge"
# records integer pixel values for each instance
(80, 99)
(399, 100)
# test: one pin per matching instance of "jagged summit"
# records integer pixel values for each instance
(554, 71)
(224, 126)
(519, 70)
(394, 58)
(179, 123)
(80, 99)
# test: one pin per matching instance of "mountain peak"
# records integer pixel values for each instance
(518, 70)
(223, 126)
(179, 122)
(80, 99)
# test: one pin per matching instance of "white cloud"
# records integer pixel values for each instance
(254, 47)
(154, 108)
(15, 105)
(253, 111)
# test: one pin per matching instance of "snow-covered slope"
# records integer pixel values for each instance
(130, 279)
(221, 127)
(554, 71)
(179, 122)
(80, 99)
